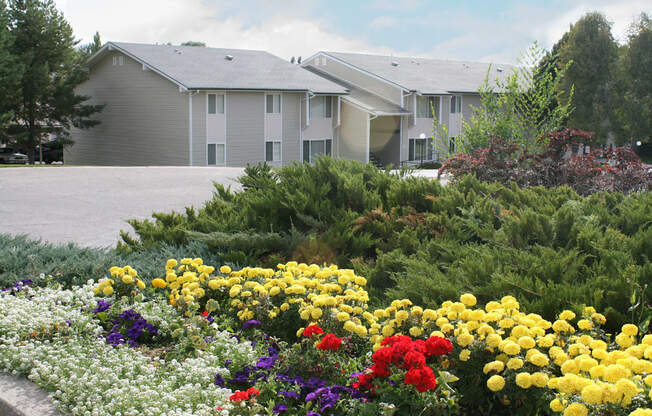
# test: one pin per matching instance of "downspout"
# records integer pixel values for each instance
(190, 138)
(372, 116)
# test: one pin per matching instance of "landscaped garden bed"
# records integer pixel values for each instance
(301, 339)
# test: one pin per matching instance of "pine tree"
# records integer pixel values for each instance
(10, 71)
(43, 42)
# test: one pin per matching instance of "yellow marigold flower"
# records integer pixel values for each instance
(624, 340)
(514, 364)
(127, 279)
(569, 367)
(140, 284)
(493, 340)
(630, 329)
(387, 331)
(586, 363)
(576, 409)
(361, 331)
(189, 298)
(402, 315)
(539, 379)
(468, 299)
(540, 360)
(567, 315)
(556, 405)
(497, 366)
(506, 323)
(592, 394)
(584, 324)
(284, 306)
(342, 316)
(627, 388)
(316, 313)
(360, 281)
(225, 270)
(524, 380)
(416, 331)
(349, 326)
(526, 342)
(235, 290)
(465, 355)
(599, 318)
(496, 383)
(465, 339)
(159, 283)
(107, 291)
(511, 348)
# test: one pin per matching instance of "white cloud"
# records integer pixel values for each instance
(396, 4)
(176, 21)
(383, 22)
(620, 13)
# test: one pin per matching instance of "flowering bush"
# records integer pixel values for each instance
(558, 164)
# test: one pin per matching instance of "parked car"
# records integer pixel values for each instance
(52, 152)
(8, 155)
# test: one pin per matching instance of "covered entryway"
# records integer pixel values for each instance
(385, 141)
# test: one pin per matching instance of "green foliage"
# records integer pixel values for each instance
(44, 100)
(21, 258)
(591, 52)
(521, 108)
(413, 238)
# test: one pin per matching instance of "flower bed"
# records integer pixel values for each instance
(301, 340)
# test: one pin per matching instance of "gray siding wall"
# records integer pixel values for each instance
(291, 134)
(468, 101)
(199, 129)
(144, 122)
(352, 143)
(244, 128)
(358, 78)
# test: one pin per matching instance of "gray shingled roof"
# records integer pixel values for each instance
(208, 68)
(427, 76)
(362, 98)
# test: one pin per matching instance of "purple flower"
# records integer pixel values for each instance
(102, 306)
(289, 394)
(280, 408)
(115, 338)
(219, 380)
(250, 323)
(265, 362)
(311, 413)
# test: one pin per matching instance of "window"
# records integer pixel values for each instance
(456, 104)
(273, 103)
(273, 151)
(425, 105)
(215, 103)
(314, 148)
(215, 154)
(121, 60)
(321, 107)
(115, 60)
(420, 150)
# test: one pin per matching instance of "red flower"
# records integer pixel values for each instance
(239, 396)
(379, 370)
(330, 342)
(383, 355)
(422, 378)
(438, 346)
(414, 359)
(205, 313)
(312, 330)
(253, 391)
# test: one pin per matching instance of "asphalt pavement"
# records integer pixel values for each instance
(90, 205)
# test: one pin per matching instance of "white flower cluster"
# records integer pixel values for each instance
(89, 377)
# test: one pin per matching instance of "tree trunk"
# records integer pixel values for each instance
(40, 150)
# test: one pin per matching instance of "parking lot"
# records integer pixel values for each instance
(89, 205)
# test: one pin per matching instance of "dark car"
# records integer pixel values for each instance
(8, 155)
(52, 152)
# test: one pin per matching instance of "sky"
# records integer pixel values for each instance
(479, 30)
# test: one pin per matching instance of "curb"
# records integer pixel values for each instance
(21, 397)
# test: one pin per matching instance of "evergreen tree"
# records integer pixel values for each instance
(591, 52)
(89, 50)
(43, 42)
(10, 71)
(636, 65)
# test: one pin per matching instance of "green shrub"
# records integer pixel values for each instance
(551, 247)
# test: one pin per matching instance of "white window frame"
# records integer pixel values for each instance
(121, 60)
(323, 98)
(216, 143)
(431, 116)
(115, 60)
(457, 109)
(280, 145)
(216, 94)
(323, 139)
(280, 103)
(430, 151)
